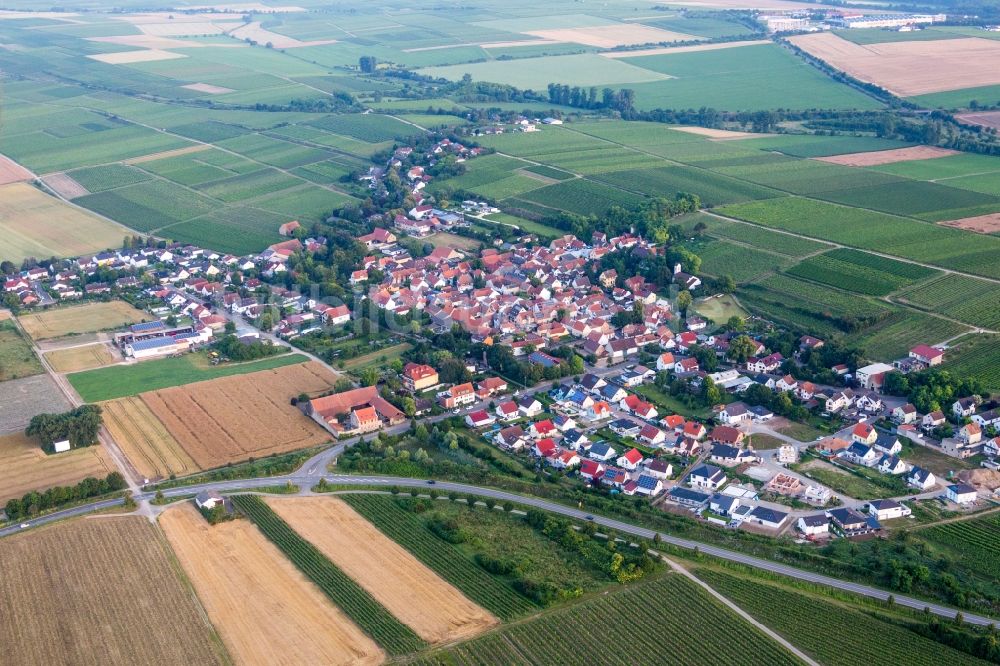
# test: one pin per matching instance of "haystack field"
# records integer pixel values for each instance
(208, 88)
(408, 589)
(235, 418)
(74, 359)
(910, 68)
(264, 608)
(25, 467)
(880, 157)
(152, 450)
(99, 591)
(87, 318)
(261, 35)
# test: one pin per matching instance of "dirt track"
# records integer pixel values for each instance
(264, 608)
(435, 610)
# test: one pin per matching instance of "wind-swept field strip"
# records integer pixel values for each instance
(74, 359)
(99, 591)
(910, 68)
(880, 157)
(262, 605)
(88, 318)
(234, 418)
(35, 224)
(25, 467)
(417, 596)
(145, 441)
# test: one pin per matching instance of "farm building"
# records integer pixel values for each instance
(356, 411)
(208, 499)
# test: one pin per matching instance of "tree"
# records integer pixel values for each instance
(741, 349)
(727, 284)
(367, 64)
(710, 393)
(684, 301)
(369, 377)
(230, 327)
(736, 324)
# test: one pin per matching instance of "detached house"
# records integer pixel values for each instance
(920, 478)
(707, 476)
(963, 407)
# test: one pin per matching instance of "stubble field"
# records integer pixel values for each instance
(145, 441)
(417, 596)
(25, 467)
(87, 318)
(234, 418)
(75, 359)
(98, 591)
(21, 399)
(263, 607)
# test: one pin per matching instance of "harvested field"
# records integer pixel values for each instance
(911, 68)
(610, 36)
(670, 50)
(88, 318)
(21, 399)
(35, 224)
(65, 186)
(12, 172)
(235, 418)
(265, 609)
(417, 596)
(25, 467)
(99, 591)
(152, 450)
(75, 359)
(130, 57)
(880, 157)
(984, 119)
(208, 88)
(981, 224)
(152, 42)
(168, 153)
(717, 133)
(259, 34)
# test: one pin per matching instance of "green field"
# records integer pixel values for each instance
(714, 189)
(743, 264)
(16, 358)
(127, 380)
(895, 335)
(979, 357)
(971, 541)
(581, 196)
(563, 636)
(971, 300)
(864, 273)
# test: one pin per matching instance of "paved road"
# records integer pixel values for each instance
(307, 480)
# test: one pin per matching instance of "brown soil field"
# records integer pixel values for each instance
(25, 467)
(984, 119)
(36, 224)
(131, 57)
(74, 359)
(21, 399)
(5, 315)
(152, 450)
(261, 35)
(911, 68)
(88, 318)
(167, 153)
(880, 157)
(610, 36)
(408, 589)
(981, 224)
(12, 172)
(235, 418)
(712, 133)
(667, 50)
(97, 591)
(208, 88)
(65, 186)
(264, 608)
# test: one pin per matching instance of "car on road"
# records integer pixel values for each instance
(431, 482)
(588, 517)
(25, 525)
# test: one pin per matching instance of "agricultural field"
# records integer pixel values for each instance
(800, 617)
(973, 301)
(895, 335)
(714, 189)
(263, 607)
(127, 380)
(74, 320)
(971, 541)
(408, 589)
(561, 636)
(860, 272)
(25, 467)
(74, 359)
(21, 399)
(145, 441)
(87, 578)
(370, 615)
(202, 419)
(35, 224)
(719, 309)
(581, 196)
(977, 356)
(772, 241)
(743, 264)
(16, 357)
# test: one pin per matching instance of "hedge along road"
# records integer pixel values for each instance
(307, 481)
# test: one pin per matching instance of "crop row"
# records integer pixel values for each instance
(901, 331)
(848, 276)
(979, 358)
(968, 299)
(365, 611)
(805, 619)
(568, 635)
(445, 559)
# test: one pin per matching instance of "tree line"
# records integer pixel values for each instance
(33, 503)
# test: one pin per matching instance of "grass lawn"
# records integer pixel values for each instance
(800, 431)
(668, 404)
(935, 461)
(125, 380)
(719, 309)
(380, 357)
(16, 358)
(529, 226)
(88, 318)
(866, 484)
(762, 442)
(442, 239)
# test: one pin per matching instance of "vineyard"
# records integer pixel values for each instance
(772, 241)
(895, 335)
(699, 630)
(976, 541)
(720, 258)
(408, 530)
(968, 299)
(978, 357)
(860, 272)
(806, 620)
(367, 613)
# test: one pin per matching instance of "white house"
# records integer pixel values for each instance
(871, 376)
(630, 460)
(813, 525)
(208, 499)
(959, 493)
(61, 446)
(735, 413)
(921, 478)
(887, 509)
(707, 476)
(529, 407)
